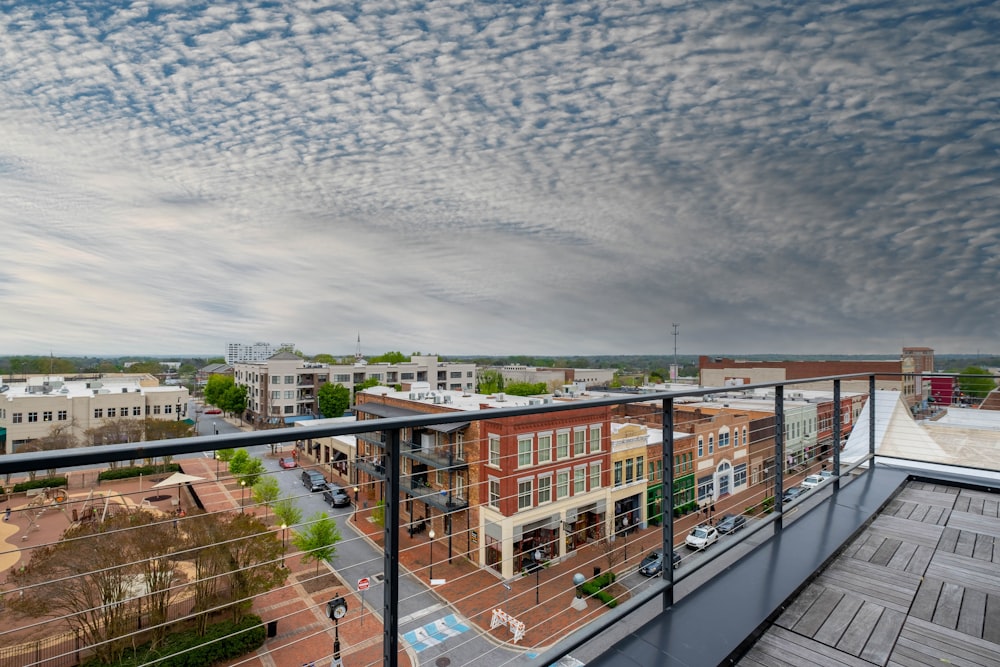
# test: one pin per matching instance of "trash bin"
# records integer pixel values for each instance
(597, 572)
(272, 628)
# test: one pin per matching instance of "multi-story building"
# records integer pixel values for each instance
(240, 353)
(32, 406)
(503, 487)
(554, 378)
(284, 388)
(902, 375)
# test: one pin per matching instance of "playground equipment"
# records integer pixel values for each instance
(42, 500)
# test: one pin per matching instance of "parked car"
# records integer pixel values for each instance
(652, 564)
(812, 481)
(213, 411)
(287, 463)
(826, 474)
(336, 496)
(730, 523)
(313, 480)
(702, 537)
(792, 494)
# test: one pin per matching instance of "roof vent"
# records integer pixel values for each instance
(501, 397)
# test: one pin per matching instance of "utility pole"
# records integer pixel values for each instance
(677, 370)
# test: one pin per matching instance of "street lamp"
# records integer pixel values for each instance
(284, 527)
(355, 504)
(243, 493)
(431, 535)
(538, 568)
(336, 609)
(625, 534)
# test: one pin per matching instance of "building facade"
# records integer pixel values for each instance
(31, 408)
(256, 352)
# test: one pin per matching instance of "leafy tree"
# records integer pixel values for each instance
(164, 429)
(151, 367)
(234, 400)
(216, 387)
(318, 541)
(978, 386)
(370, 382)
(225, 455)
(266, 491)
(238, 462)
(526, 388)
(489, 381)
(60, 437)
(287, 512)
(324, 359)
(392, 357)
(333, 399)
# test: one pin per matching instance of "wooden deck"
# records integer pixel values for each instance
(920, 586)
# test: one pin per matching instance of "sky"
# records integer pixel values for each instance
(500, 178)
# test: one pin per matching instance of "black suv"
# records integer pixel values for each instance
(336, 496)
(652, 564)
(313, 480)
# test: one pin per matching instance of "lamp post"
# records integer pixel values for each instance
(625, 534)
(284, 528)
(336, 609)
(431, 536)
(538, 568)
(243, 493)
(355, 504)
(578, 602)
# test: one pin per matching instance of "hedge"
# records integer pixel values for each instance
(135, 471)
(202, 654)
(40, 484)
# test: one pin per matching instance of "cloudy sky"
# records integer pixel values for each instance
(499, 178)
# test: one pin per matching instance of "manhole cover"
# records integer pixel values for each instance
(442, 662)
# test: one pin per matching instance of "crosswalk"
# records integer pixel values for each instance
(435, 632)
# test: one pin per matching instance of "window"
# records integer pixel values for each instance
(579, 480)
(468, 374)
(459, 446)
(404, 376)
(494, 493)
(545, 448)
(736, 437)
(562, 445)
(618, 473)
(524, 494)
(544, 489)
(455, 374)
(562, 484)
(628, 471)
(167, 409)
(98, 414)
(495, 450)
(289, 379)
(275, 395)
(740, 475)
(579, 442)
(460, 486)
(289, 409)
(275, 379)
(711, 444)
(18, 417)
(345, 377)
(524, 451)
(640, 466)
(706, 487)
(47, 415)
(595, 439)
(723, 439)
(595, 475)
(136, 410)
(62, 416)
(701, 447)
(745, 441)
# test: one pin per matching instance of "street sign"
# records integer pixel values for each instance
(363, 583)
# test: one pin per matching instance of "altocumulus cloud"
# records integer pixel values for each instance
(500, 177)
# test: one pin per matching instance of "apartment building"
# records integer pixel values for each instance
(554, 378)
(284, 388)
(256, 352)
(31, 406)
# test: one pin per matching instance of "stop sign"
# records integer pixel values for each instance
(363, 583)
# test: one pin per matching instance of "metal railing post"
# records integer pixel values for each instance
(390, 603)
(837, 435)
(871, 416)
(779, 452)
(667, 502)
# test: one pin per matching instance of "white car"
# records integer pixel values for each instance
(812, 481)
(702, 537)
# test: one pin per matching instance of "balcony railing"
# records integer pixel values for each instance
(764, 499)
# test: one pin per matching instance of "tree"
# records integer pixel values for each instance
(333, 399)
(216, 387)
(319, 539)
(165, 429)
(151, 367)
(526, 388)
(234, 400)
(152, 549)
(978, 386)
(370, 382)
(60, 437)
(287, 512)
(489, 381)
(266, 491)
(392, 357)
(614, 552)
(324, 359)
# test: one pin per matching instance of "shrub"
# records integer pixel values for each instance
(607, 598)
(248, 636)
(39, 484)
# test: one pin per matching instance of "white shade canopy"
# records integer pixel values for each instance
(177, 478)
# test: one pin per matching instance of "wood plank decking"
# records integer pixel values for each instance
(920, 586)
